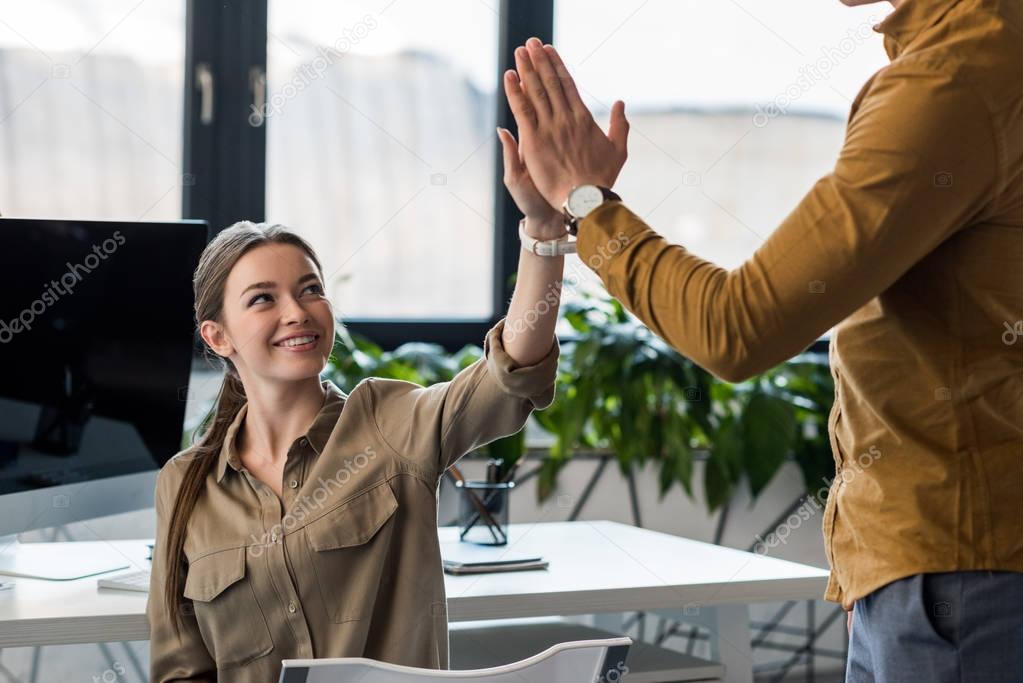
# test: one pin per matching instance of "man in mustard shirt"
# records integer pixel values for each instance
(912, 248)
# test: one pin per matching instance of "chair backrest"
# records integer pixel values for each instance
(582, 661)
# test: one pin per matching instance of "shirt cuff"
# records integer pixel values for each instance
(534, 382)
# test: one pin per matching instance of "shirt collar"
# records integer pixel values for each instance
(317, 434)
(909, 20)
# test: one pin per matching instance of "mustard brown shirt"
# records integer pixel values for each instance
(348, 562)
(913, 246)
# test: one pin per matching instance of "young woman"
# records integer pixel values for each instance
(304, 522)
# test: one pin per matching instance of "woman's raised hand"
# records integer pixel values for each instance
(543, 221)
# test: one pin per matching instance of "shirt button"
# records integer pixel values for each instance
(293, 484)
(292, 607)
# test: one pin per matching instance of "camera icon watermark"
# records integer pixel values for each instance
(61, 500)
(817, 286)
(565, 501)
(692, 394)
(60, 71)
(112, 675)
(438, 179)
(943, 394)
(692, 179)
(943, 179)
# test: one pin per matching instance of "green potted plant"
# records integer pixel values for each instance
(622, 389)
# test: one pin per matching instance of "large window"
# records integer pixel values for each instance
(736, 107)
(368, 126)
(91, 109)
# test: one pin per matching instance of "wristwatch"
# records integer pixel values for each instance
(582, 200)
(557, 247)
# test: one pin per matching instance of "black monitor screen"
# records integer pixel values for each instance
(96, 343)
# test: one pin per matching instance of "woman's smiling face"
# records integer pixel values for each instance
(277, 324)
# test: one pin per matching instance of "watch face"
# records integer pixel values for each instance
(584, 199)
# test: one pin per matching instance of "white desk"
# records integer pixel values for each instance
(595, 567)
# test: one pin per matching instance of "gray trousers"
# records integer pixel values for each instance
(940, 628)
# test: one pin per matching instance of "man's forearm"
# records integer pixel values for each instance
(689, 302)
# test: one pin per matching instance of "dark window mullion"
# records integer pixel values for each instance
(243, 150)
(519, 21)
(226, 155)
(199, 192)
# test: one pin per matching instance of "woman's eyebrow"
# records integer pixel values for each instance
(258, 285)
(272, 285)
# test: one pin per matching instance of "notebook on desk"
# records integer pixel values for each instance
(467, 558)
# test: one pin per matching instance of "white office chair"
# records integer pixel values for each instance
(583, 661)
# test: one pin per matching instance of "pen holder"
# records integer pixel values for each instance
(483, 511)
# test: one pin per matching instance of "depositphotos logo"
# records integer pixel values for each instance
(65, 286)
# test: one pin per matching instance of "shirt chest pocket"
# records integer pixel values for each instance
(230, 620)
(349, 546)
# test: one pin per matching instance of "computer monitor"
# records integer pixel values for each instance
(96, 345)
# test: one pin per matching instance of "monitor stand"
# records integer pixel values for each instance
(58, 561)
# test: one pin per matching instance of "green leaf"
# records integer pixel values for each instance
(717, 484)
(724, 463)
(547, 479)
(768, 433)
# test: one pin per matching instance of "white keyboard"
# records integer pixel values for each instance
(129, 581)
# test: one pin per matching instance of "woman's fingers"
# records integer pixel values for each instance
(513, 166)
(522, 109)
(548, 77)
(532, 85)
(618, 129)
(575, 102)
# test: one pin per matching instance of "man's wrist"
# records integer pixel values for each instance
(584, 199)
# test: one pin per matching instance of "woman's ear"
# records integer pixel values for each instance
(215, 336)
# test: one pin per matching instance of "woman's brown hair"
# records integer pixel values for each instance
(209, 282)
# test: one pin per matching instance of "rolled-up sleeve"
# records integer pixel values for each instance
(172, 658)
(490, 399)
(918, 164)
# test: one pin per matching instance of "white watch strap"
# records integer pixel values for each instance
(558, 247)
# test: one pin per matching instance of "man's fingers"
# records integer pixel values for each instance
(548, 77)
(531, 84)
(618, 129)
(521, 107)
(575, 102)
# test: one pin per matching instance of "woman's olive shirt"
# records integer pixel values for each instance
(348, 562)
